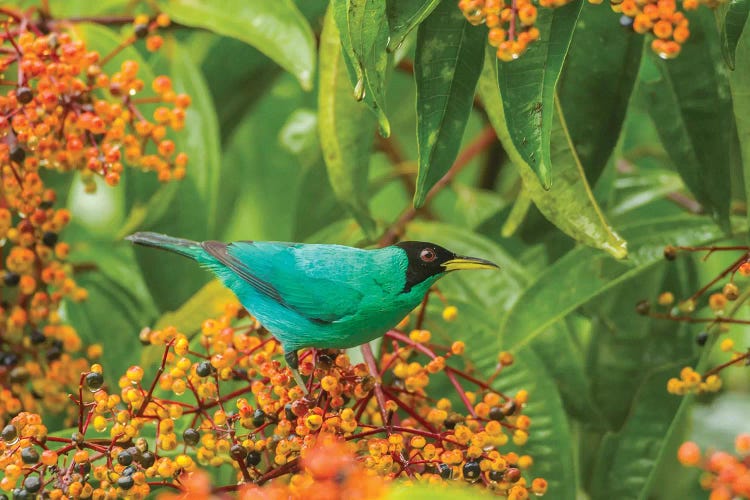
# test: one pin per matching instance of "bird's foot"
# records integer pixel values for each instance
(300, 382)
(292, 359)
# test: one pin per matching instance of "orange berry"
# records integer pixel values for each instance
(680, 35)
(182, 101)
(689, 454)
(539, 486)
(742, 444)
(154, 43)
(161, 84)
(81, 456)
(663, 29)
(505, 358)
(720, 493)
(505, 51)
(134, 373)
(717, 301)
(162, 115)
(49, 457)
(527, 15)
(162, 20)
(112, 178)
(496, 36)
(166, 148)
(129, 69)
(181, 160)
(642, 24)
(629, 8)
(458, 348)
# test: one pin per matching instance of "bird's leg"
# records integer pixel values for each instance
(292, 359)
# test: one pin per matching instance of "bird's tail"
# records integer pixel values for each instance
(187, 248)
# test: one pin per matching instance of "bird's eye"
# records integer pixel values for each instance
(427, 255)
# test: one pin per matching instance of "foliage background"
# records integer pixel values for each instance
(646, 132)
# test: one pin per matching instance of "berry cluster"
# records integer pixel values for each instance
(511, 24)
(511, 27)
(225, 400)
(726, 475)
(61, 112)
(720, 298)
(660, 18)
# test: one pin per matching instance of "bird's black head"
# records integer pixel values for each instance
(428, 259)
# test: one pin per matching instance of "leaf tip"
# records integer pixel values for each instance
(384, 126)
(305, 80)
(419, 198)
(616, 247)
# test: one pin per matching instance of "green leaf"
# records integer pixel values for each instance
(642, 188)
(277, 28)
(447, 64)
(626, 347)
(599, 74)
(363, 28)
(74, 8)
(517, 214)
(528, 88)
(690, 103)
(260, 181)
(404, 16)
(740, 86)
(636, 357)
(585, 274)
(229, 83)
(207, 302)
(558, 350)
(475, 205)
(731, 17)
(118, 306)
(347, 130)
(569, 204)
(627, 458)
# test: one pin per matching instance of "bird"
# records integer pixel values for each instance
(318, 295)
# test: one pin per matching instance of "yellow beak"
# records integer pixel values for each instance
(459, 263)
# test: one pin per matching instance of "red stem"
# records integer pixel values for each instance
(729, 363)
(721, 275)
(151, 389)
(373, 367)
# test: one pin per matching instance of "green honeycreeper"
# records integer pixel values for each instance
(322, 296)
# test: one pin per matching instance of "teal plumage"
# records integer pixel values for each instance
(323, 296)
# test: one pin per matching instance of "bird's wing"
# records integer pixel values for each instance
(275, 271)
